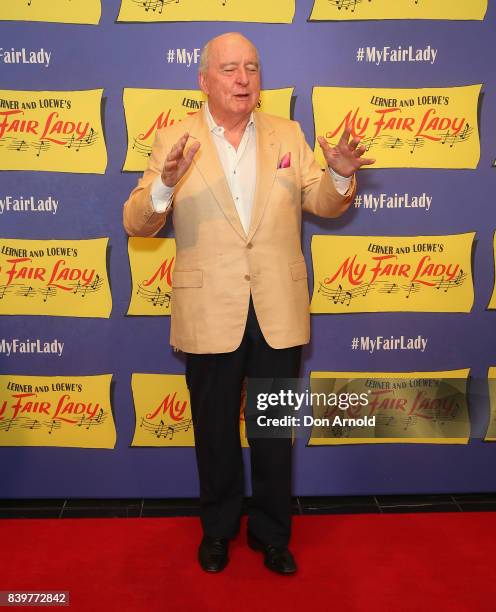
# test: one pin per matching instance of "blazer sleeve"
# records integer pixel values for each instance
(139, 216)
(318, 192)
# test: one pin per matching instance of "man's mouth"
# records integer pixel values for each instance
(242, 96)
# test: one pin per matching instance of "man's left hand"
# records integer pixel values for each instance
(346, 157)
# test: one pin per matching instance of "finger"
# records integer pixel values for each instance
(345, 136)
(323, 143)
(178, 148)
(177, 151)
(182, 141)
(191, 152)
(354, 144)
(170, 165)
(366, 161)
(359, 151)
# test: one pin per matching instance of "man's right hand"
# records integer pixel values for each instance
(176, 163)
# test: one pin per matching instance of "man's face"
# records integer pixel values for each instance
(232, 79)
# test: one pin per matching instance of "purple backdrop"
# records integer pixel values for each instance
(301, 55)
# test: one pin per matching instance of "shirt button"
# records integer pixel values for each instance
(247, 277)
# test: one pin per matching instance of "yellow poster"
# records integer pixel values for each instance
(152, 263)
(386, 407)
(275, 11)
(60, 11)
(403, 128)
(491, 428)
(148, 110)
(54, 131)
(492, 302)
(163, 411)
(392, 273)
(341, 10)
(56, 411)
(65, 278)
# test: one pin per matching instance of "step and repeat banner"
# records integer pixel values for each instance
(93, 400)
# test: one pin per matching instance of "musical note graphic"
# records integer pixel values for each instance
(453, 139)
(393, 143)
(412, 288)
(165, 430)
(31, 424)
(449, 284)
(142, 149)
(41, 145)
(8, 424)
(76, 144)
(96, 285)
(53, 425)
(389, 288)
(50, 291)
(28, 423)
(154, 5)
(414, 143)
(4, 289)
(409, 421)
(26, 291)
(17, 145)
(368, 143)
(344, 295)
(352, 4)
(345, 4)
(158, 297)
(385, 420)
(92, 421)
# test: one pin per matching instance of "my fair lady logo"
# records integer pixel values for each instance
(65, 408)
(53, 129)
(384, 121)
(22, 268)
(426, 271)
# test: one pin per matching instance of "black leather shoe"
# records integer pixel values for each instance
(212, 554)
(277, 559)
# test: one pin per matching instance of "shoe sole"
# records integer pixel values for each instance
(213, 571)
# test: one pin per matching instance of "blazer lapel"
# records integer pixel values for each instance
(267, 155)
(208, 164)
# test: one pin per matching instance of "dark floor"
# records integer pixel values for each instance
(84, 508)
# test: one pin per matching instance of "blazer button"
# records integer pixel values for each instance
(249, 245)
(247, 277)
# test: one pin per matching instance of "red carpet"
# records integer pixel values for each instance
(387, 562)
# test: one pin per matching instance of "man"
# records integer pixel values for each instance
(236, 182)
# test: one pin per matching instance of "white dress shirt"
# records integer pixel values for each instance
(240, 168)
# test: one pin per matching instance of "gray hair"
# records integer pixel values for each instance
(204, 58)
(205, 52)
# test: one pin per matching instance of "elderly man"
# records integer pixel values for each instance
(236, 182)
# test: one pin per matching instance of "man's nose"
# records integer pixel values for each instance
(242, 76)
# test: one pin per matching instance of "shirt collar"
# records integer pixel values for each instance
(218, 129)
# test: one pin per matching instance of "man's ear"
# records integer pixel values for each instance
(202, 81)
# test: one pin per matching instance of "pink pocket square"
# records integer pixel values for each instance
(285, 161)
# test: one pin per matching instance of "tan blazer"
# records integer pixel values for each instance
(217, 264)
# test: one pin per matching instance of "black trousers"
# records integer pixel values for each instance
(215, 383)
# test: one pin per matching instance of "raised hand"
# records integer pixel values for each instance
(346, 157)
(177, 163)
